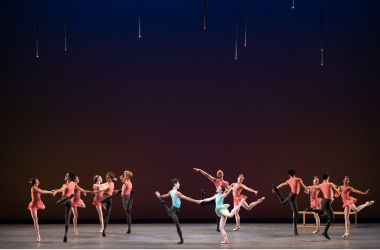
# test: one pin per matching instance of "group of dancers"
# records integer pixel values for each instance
(71, 192)
(104, 192)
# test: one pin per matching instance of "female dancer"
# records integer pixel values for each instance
(97, 199)
(348, 202)
(315, 201)
(217, 182)
(77, 202)
(294, 184)
(221, 209)
(176, 203)
(127, 196)
(67, 193)
(107, 190)
(238, 187)
(327, 190)
(36, 203)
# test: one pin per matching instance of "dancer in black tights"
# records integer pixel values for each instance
(176, 203)
(67, 193)
(327, 190)
(294, 184)
(127, 196)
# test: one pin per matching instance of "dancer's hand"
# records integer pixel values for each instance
(196, 169)
(85, 194)
(366, 192)
(336, 195)
(121, 177)
(157, 193)
(54, 192)
(256, 192)
(198, 201)
(92, 192)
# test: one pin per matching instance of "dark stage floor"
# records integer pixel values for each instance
(261, 235)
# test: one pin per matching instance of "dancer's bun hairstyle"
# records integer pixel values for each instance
(291, 172)
(33, 181)
(348, 177)
(325, 175)
(315, 177)
(72, 175)
(96, 178)
(174, 181)
(242, 177)
(129, 174)
(219, 174)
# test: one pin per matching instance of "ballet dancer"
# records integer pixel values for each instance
(97, 199)
(217, 182)
(294, 184)
(77, 202)
(106, 199)
(238, 187)
(315, 202)
(221, 209)
(36, 203)
(327, 190)
(127, 196)
(348, 202)
(67, 191)
(176, 203)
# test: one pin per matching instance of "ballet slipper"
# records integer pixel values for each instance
(369, 203)
(225, 242)
(345, 235)
(236, 228)
(316, 231)
(38, 238)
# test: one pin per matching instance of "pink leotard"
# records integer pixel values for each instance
(219, 182)
(36, 202)
(327, 190)
(126, 190)
(314, 200)
(76, 200)
(98, 196)
(110, 188)
(236, 193)
(70, 186)
(347, 200)
(294, 184)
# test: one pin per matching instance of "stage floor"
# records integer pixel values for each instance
(261, 235)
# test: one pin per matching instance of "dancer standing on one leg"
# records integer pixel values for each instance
(36, 203)
(127, 196)
(348, 202)
(67, 193)
(77, 202)
(176, 203)
(221, 209)
(217, 182)
(97, 199)
(238, 187)
(106, 199)
(315, 202)
(294, 184)
(327, 190)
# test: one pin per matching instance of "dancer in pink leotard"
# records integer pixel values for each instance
(97, 199)
(36, 203)
(348, 202)
(315, 201)
(77, 202)
(237, 188)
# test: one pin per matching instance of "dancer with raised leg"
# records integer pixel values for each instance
(106, 199)
(315, 202)
(36, 203)
(221, 209)
(327, 189)
(348, 202)
(77, 202)
(67, 193)
(238, 187)
(294, 184)
(127, 196)
(217, 182)
(97, 199)
(176, 203)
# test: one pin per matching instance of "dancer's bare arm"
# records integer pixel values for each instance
(210, 199)
(303, 185)
(82, 190)
(226, 194)
(205, 174)
(162, 196)
(178, 194)
(249, 189)
(123, 180)
(357, 191)
(55, 191)
(335, 189)
(42, 191)
(282, 184)
(104, 187)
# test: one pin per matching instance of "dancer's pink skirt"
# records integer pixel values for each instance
(97, 201)
(237, 199)
(76, 202)
(349, 201)
(35, 205)
(315, 202)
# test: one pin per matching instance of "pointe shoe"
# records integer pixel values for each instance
(369, 203)
(326, 235)
(316, 231)
(38, 238)
(261, 199)
(237, 228)
(101, 230)
(76, 232)
(65, 239)
(225, 242)
(345, 235)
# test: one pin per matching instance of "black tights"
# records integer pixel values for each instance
(127, 204)
(205, 203)
(66, 201)
(326, 208)
(292, 199)
(108, 203)
(172, 212)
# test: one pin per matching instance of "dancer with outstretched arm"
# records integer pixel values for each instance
(221, 209)
(238, 187)
(127, 196)
(67, 191)
(97, 199)
(348, 202)
(327, 189)
(217, 182)
(36, 203)
(77, 202)
(294, 184)
(315, 202)
(176, 203)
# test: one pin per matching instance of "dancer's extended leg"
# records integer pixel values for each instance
(357, 209)
(36, 227)
(253, 204)
(64, 199)
(223, 221)
(107, 198)
(167, 210)
(100, 212)
(233, 211)
(282, 200)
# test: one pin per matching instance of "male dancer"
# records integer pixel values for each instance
(176, 203)
(294, 184)
(217, 182)
(327, 190)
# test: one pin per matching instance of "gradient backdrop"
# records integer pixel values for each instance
(176, 99)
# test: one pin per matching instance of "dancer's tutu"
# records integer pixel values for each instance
(35, 205)
(238, 198)
(347, 202)
(76, 202)
(315, 202)
(221, 207)
(97, 201)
